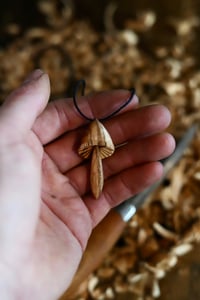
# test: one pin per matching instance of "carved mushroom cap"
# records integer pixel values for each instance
(97, 136)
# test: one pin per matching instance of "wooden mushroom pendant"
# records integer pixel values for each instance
(98, 144)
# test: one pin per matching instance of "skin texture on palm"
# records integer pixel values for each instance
(46, 209)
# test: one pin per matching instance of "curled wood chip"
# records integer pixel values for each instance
(109, 293)
(156, 289)
(142, 236)
(197, 175)
(92, 283)
(165, 232)
(149, 18)
(135, 278)
(168, 262)
(174, 88)
(182, 249)
(158, 272)
(137, 283)
(130, 37)
(184, 27)
(175, 67)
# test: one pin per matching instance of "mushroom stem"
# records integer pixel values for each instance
(96, 174)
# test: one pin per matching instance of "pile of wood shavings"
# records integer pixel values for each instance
(68, 50)
(164, 230)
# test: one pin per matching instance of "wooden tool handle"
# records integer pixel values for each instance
(103, 237)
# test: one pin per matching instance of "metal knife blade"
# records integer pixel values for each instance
(128, 208)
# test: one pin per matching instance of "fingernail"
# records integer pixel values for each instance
(133, 95)
(35, 75)
(136, 99)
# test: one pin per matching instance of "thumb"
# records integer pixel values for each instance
(24, 105)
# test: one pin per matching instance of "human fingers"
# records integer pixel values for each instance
(24, 104)
(61, 116)
(121, 187)
(130, 125)
(149, 149)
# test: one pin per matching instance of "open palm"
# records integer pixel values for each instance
(48, 210)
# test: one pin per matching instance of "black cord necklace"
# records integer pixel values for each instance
(97, 142)
(81, 84)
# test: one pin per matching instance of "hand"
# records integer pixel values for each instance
(46, 210)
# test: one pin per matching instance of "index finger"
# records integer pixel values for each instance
(61, 115)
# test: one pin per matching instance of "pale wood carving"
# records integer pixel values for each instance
(98, 144)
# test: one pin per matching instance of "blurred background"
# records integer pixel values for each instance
(153, 46)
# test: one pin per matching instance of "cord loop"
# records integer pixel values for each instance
(81, 83)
